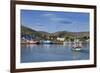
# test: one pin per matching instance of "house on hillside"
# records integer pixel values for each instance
(60, 39)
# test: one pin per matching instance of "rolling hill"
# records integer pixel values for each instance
(43, 34)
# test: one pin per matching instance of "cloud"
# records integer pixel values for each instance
(56, 19)
(38, 24)
(65, 22)
(48, 14)
(38, 28)
(62, 20)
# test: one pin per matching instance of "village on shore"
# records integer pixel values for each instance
(51, 40)
(30, 36)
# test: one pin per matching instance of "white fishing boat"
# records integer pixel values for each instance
(77, 45)
(46, 42)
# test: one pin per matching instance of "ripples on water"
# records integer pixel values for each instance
(52, 52)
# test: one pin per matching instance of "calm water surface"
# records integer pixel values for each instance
(52, 52)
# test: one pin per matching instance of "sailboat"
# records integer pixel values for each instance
(77, 45)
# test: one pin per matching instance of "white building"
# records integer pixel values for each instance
(60, 39)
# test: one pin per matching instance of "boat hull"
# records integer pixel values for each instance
(76, 49)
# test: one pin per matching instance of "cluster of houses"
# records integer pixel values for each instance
(33, 40)
(28, 39)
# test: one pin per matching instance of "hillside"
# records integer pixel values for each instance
(74, 34)
(63, 34)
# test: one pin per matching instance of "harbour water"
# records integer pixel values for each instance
(52, 52)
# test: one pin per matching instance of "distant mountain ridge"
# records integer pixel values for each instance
(42, 34)
(66, 33)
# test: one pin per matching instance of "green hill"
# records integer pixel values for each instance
(64, 34)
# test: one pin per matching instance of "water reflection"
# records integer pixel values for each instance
(75, 54)
(52, 52)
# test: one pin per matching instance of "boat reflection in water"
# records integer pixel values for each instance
(52, 52)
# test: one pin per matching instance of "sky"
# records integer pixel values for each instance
(52, 21)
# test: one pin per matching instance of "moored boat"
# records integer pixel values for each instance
(77, 46)
(46, 42)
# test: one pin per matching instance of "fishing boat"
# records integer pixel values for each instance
(30, 42)
(77, 45)
(46, 42)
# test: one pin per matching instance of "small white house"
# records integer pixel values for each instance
(60, 39)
